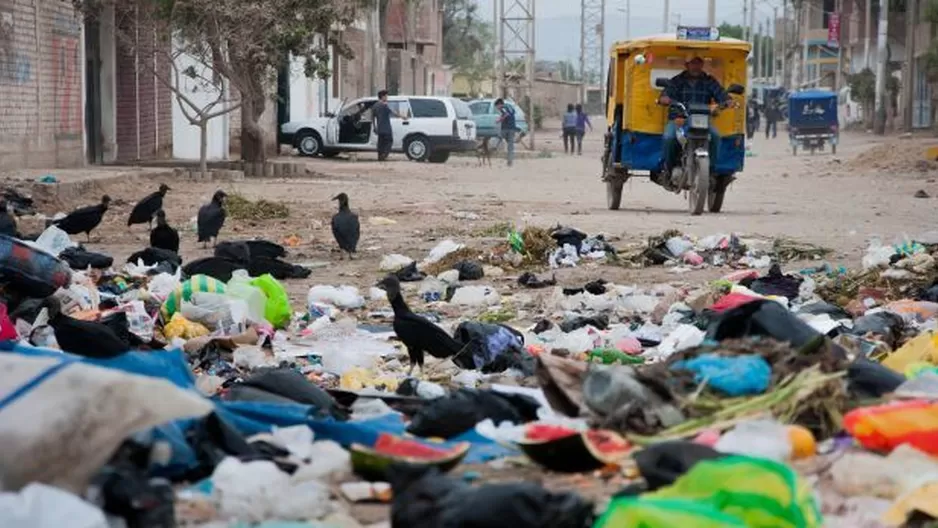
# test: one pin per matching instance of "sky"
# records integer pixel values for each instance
(557, 22)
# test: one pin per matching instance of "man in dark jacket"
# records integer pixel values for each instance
(773, 114)
(381, 113)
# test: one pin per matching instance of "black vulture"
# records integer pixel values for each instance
(145, 209)
(7, 222)
(418, 334)
(84, 219)
(345, 226)
(212, 218)
(163, 235)
(152, 256)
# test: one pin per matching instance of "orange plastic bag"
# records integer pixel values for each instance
(885, 427)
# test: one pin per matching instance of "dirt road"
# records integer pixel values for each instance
(836, 201)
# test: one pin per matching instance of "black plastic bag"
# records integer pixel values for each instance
(291, 384)
(596, 287)
(486, 345)
(568, 235)
(823, 308)
(152, 256)
(409, 273)
(469, 271)
(460, 411)
(885, 325)
(530, 280)
(775, 283)
(125, 489)
(425, 498)
(599, 322)
(662, 463)
(930, 294)
(869, 379)
(80, 259)
(762, 318)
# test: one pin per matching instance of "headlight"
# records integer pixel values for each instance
(700, 121)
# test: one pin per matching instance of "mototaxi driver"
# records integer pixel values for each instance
(693, 86)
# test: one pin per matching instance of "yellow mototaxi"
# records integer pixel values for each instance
(636, 121)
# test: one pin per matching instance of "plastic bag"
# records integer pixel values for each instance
(239, 287)
(759, 492)
(277, 310)
(394, 262)
(161, 286)
(476, 296)
(257, 491)
(441, 250)
(183, 292)
(459, 412)
(885, 427)
(733, 376)
(665, 513)
(53, 240)
(346, 297)
(183, 328)
(41, 506)
(62, 420)
(758, 438)
(921, 348)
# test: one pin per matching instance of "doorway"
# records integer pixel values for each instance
(94, 153)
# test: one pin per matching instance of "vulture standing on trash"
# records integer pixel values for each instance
(84, 219)
(145, 209)
(345, 226)
(212, 218)
(83, 338)
(418, 334)
(163, 236)
(7, 222)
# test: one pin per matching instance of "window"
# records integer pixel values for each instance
(462, 109)
(428, 108)
(401, 107)
(480, 108)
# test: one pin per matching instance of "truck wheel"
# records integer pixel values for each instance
(439, 157)
(309, 143)
(700, 189)
(417, 148)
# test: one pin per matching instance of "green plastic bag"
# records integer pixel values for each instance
(761, 493)
(665, 513)
(277, 310)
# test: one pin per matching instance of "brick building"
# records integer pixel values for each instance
(65, 86)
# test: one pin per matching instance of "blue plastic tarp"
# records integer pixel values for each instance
(251, 418)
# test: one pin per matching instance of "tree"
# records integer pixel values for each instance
(467, 41)
(246, 42)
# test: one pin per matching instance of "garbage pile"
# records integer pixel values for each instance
(166, 394)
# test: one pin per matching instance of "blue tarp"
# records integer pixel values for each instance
(250, 418)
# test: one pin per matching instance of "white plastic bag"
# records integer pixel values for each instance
(395, 262)
(757, 438)
(257, 491)
(53, 240)
(441, 250)
(683, 337)
(346, 297)
(65, 426)
(240, 287)
(877, 255)
(476, 296)
(164, 284)
(41, 506)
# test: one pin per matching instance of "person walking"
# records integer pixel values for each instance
(582, 121)
(506, 118)
(569, 129)
(381, 115)
(772, 115)
(752, 118)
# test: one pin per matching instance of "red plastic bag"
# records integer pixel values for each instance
(7, 328)
(885, 427)
(732, 300)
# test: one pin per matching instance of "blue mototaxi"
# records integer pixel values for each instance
(812, 121)
(636, 122)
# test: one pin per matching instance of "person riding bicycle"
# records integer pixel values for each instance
(693, 86)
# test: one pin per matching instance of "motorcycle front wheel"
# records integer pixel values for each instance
(699, 187)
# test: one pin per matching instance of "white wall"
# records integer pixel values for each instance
(309, 98)
(186, 137)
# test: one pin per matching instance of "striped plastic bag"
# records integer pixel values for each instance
(196, 283)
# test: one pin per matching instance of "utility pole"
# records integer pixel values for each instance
(805, 25)
(667, 16)
(592, 42)
(839, 73)
(775, 48)
(760, 41)
(785, 80)
(752, 21)
(516, 55)
(908, 94)
(746, 29)
(879, 120)
(868, 34)
(711, 13)
(766, 51)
